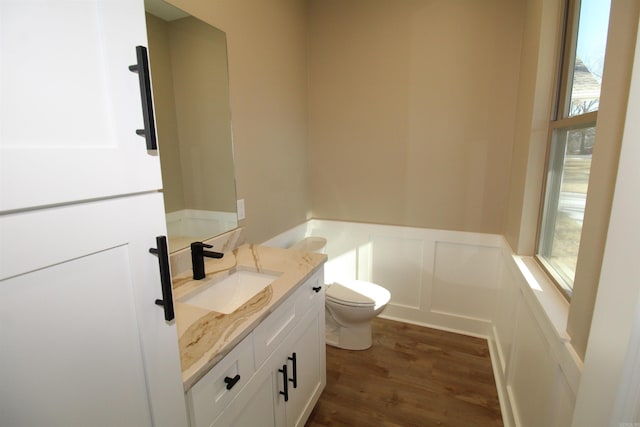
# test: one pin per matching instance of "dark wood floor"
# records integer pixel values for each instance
(412, 376)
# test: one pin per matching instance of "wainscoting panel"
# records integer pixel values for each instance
(537, 365)
(409, 262)
(465, 280)
(398, 265)
(563, 403)
(507, 302)
(472, 284)
(531, 373)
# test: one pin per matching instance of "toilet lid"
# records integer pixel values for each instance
(358, 293)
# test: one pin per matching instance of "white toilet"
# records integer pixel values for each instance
(350, 305)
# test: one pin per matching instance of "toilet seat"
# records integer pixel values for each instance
(357, 293)
(342, 295)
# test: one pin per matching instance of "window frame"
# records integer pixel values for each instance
(561, 120)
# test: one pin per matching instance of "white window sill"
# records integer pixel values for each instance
(553, 304)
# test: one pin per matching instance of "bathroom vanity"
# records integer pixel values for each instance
(261, 359)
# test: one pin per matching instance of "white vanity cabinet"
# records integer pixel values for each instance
(292, 337)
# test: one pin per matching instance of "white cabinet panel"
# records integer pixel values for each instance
(69, 105)
(60, 327)
(303, 355)
(83, 342)
(310, 373)
(310, 295)
(269, 334)
(260, 411)
(253, 409)
(211, 395)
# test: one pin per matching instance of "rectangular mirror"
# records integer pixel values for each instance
(188, 61)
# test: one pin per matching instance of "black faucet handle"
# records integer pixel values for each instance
(200, 245)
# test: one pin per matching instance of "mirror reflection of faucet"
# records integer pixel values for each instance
(198, 253)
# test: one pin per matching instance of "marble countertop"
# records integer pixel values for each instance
(206, 336)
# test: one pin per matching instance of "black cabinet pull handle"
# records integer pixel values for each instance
(285, 383)
(142, 68)
(231, 381)
(317, 288)
(165, 277)
(294, 380)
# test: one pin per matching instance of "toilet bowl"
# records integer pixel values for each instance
(350, 305)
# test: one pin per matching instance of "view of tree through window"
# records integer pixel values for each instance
(572, 141)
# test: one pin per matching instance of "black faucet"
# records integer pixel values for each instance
(197, 258)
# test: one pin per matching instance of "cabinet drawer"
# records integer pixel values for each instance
(211, 395)
(274, 329)
(310, 294)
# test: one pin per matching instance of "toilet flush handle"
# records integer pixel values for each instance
(317, 288)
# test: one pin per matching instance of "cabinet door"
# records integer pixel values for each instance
(208, 398)
(69, 105)
(253, 408)
(83, 342)
(310, 368)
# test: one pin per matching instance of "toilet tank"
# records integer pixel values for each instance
(310, 244)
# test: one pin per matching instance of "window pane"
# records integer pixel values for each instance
(566, 195)
(589, 58)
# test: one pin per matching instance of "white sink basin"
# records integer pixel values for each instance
(227, 294)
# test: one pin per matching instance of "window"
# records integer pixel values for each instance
(572, 137)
